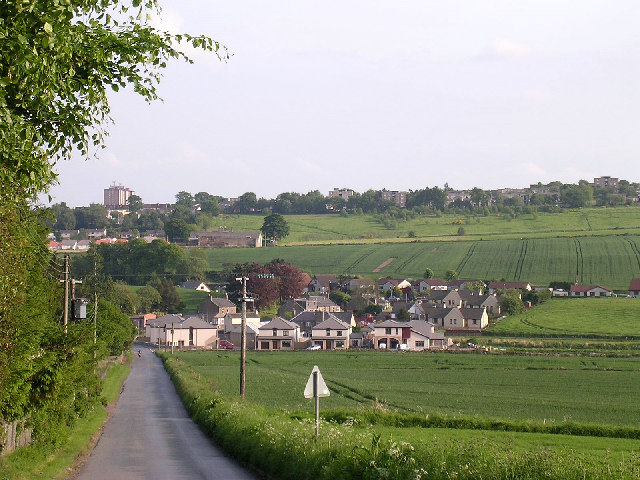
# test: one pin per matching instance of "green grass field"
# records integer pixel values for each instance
(616, 317)
(609, 261)
(544, 389)
(365, 228)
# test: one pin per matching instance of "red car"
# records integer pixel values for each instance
(226, 344)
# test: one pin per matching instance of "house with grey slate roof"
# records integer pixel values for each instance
(331, 334)
(278, 334)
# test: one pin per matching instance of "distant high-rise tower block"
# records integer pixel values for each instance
(117, 197)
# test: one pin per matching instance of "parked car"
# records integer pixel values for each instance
(403, 347)
(314, 347)
(382, 346)
(226, 344)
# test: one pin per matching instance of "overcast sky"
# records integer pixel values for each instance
(400, 94)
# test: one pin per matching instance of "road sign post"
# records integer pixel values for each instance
(316, 388)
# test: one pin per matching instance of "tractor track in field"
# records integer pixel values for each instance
(466, 258)
(635, 250)
(579, 261)
(409, 260)
(519, 264)
(359, 260)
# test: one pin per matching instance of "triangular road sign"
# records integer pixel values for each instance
(322, 389)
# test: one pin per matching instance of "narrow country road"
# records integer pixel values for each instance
(150, 436)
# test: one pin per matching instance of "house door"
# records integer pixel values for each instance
(274, 344)
(328, 345)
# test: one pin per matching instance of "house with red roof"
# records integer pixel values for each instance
(589, 291)
(634, 288)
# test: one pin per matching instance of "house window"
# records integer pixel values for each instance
(475, 322)
(286, 344)
(286, 333)
(387, 331)
(328, 332)
(275, 332)
(339, 333)
(339, 344)
(419, 344)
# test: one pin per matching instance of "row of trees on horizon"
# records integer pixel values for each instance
(197, 212)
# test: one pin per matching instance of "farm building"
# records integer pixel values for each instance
(223, 238)
(634, 288)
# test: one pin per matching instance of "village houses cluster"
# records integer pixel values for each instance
(437, 310)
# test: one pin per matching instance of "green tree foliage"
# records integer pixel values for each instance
(168, 293)
(373, 309)
(114, 328)
(177, 230)
(339, 297)
(185, 199)
(149, 299)
(275, 227)
(135, 203)
(450, 275)
(428, 273)
(58, 60)
(510, 301)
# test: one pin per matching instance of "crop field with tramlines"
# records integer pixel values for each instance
(609, 261)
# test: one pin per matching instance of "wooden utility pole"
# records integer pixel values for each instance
(66, 292)
(95, 302)
(243, 335)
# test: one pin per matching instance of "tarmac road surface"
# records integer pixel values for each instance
(150, 436)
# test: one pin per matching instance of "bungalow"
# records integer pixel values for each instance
(475, 319)
(332, 334)
(495, 286)
(634, 288)
(69, 245)
(195, 285)
(418, 335)
(589, 291)
(278, 334)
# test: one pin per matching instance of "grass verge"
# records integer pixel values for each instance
(41, 461)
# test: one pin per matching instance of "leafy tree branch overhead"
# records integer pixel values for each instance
(58, 60)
